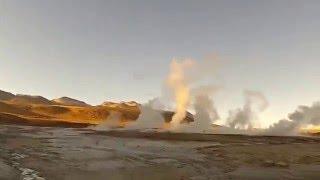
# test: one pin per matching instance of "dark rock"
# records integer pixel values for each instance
(5, 96)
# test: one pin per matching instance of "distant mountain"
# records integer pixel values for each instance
(28, 99)
(70, 102)
(5, 96)
(27, 109)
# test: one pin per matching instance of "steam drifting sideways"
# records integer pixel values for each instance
(301, 118)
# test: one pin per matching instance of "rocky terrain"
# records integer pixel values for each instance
(56, 153)
(69, 102)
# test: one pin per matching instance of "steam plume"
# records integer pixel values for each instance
(183, 80)
(178, 83)
(111, 122)
(303, 116)
(243, 118)
(204, 105)
(150, 117)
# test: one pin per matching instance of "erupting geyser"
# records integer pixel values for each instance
(184, 80)
(179, 85)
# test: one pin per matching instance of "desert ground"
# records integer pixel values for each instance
(29, 152)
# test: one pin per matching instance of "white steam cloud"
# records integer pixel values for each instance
(150, 116)
(179, 84)
(205, 110)
(183, 80)
(111, 122)
(243, 118)
(302, 117)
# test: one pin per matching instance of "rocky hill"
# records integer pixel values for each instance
(28, 99)
(32, 110)
(4, 96)
(70, 102)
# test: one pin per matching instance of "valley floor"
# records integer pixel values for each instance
(55, 153)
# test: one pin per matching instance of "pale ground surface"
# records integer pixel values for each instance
(81, 154)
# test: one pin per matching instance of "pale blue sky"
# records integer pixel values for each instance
(121, 50)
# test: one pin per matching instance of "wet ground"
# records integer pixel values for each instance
(28, 152)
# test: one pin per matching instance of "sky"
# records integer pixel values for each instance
(121, 50)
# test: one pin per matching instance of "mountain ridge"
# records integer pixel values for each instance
(34, 109)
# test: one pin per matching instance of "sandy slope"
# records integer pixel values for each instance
(36, 110)
(61, 113)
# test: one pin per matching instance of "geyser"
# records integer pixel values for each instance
(184, 81)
